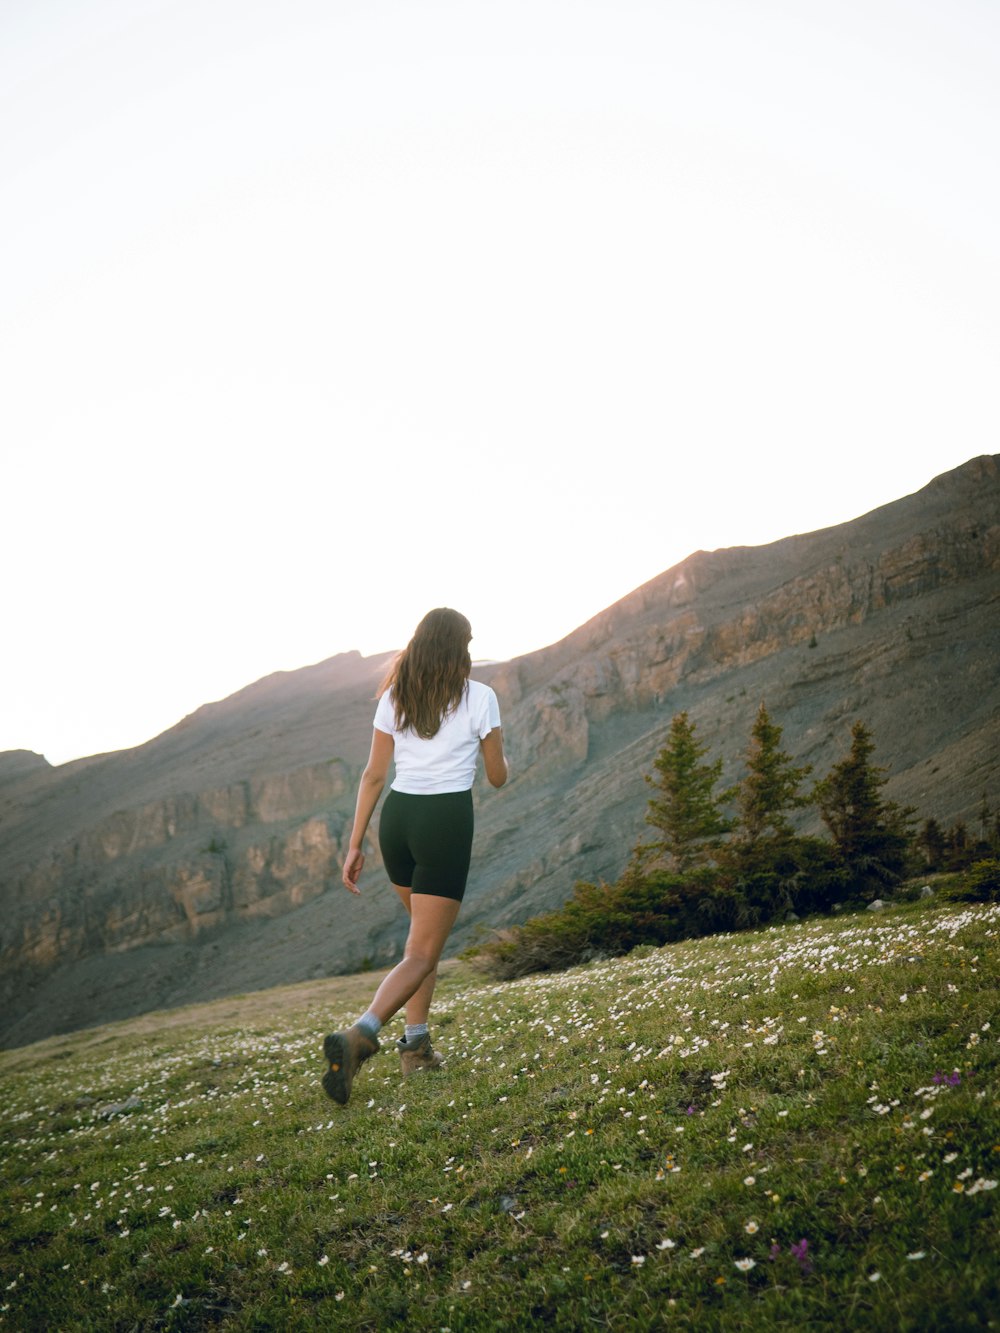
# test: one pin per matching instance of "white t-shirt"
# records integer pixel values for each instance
(446, 762)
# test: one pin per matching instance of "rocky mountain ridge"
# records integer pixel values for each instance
(207, 860)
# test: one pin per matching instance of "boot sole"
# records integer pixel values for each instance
(337, 1079)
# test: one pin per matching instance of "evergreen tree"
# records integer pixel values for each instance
(931, 841)
(984, 819)
(685, 811)
(871, 835)
(771, 786)
(958, 846)
(983, 847)
(771, 870)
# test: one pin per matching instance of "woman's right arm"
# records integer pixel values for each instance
(369, 790)
(494, 759)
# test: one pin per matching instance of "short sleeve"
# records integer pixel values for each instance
(385, 715)
(490, 714)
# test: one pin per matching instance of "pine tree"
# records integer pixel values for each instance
(770, 869)
(685, 811)
(771, 786)
(984, 819)
(985, 813)
(871, 835)
(958, 846)
(931, 841)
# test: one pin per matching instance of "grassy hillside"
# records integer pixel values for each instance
(756, 1131)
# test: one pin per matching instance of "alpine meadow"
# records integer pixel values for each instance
(795, 1125)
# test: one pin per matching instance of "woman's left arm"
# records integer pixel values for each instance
(495, 758)
(369, 790)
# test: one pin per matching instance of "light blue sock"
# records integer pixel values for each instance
(414, 1031)
(370, 1024)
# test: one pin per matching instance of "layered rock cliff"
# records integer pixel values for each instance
(208, 860)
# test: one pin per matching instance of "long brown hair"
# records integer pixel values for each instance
(430, 675)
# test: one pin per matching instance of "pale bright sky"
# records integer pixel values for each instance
(317, 314)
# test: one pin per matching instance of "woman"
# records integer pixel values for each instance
(434, 722)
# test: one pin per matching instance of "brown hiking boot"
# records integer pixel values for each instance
(417, 1055)
(345, 1053)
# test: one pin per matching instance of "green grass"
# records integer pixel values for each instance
(602, 1149)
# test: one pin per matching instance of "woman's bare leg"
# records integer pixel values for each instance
(418, 1006)
(431, 920)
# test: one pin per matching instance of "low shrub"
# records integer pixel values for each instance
(606, 920)
(661, 907)
(979, 884)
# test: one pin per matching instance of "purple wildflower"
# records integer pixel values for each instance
(800, 1253)
(774, 1252)
(954, 1078)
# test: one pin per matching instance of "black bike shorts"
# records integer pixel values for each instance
(426, 841)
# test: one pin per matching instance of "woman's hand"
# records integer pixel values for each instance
(352, 869)
(369, 790)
